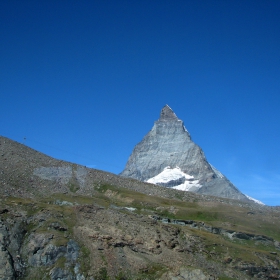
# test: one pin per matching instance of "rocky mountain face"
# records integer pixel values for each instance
(168, 157)
(63, 221)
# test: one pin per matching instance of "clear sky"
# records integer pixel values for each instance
(84, 81)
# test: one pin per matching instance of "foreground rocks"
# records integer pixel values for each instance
(25, 254)
(61, 239)
(139, 243)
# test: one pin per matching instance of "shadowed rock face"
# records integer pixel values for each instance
(170, 144)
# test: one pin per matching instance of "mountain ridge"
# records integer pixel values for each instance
(25, 170)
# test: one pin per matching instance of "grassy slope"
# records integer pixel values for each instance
(218, 215)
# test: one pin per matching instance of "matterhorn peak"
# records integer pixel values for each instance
(168, 144)
(167, 114)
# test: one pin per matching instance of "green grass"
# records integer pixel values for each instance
(102, 274)
(73, 187)
(123, 276)
(226, 278)
(61, 262)
(152, 272)
(84, 259)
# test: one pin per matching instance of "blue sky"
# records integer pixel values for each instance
(84, 81)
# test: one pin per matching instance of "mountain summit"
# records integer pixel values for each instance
(167, 114)
(168, 157)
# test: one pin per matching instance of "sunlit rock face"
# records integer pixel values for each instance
(168, 146)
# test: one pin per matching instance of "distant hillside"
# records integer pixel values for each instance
(26, 172)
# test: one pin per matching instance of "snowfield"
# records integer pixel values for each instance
(173, 174)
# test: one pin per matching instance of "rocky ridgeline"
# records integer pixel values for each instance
(169, 145)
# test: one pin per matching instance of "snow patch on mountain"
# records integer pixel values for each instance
(255, 200)
(175, 174)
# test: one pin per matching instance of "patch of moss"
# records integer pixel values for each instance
(152, 272)
(36, 273)
(73, 185)
(166, 214)
(30, 227)
(60, 241)
(123, 276)
(223, 277)
(104, 187)
(102, 274)
(61, 262)
(84, 259)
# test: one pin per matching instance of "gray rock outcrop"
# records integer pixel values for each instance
(7, 271)
(169, 145)
(11, 239)
(24, 255)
